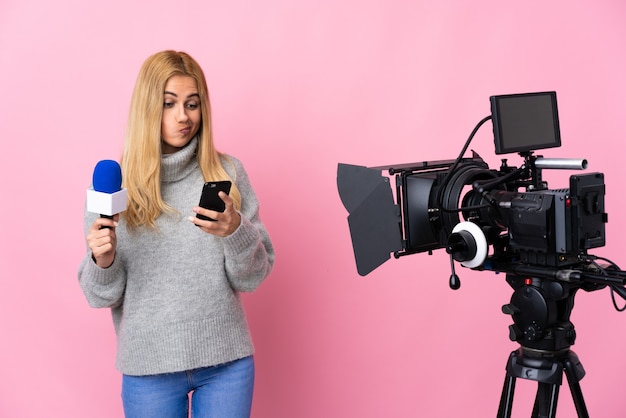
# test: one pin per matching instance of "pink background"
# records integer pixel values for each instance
(298, 86)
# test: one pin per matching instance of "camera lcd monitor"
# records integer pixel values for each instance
(525, 122)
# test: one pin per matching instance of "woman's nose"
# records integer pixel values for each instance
(181, 115)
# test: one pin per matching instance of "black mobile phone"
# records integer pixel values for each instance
(209, 198)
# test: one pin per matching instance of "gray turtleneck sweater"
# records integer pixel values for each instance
(174, 294)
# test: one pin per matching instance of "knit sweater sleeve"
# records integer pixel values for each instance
(103, 287)
(248, 251)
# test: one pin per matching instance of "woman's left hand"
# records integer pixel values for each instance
(225, 223)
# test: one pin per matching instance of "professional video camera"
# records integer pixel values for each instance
(512, 223)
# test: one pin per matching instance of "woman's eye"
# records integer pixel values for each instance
(168, 104)
(192, 106)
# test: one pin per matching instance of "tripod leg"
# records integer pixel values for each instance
(546, 400)
(574, 375)
(506, 400)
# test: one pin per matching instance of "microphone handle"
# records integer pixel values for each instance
(108, 217)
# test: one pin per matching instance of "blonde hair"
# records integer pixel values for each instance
(141, 160)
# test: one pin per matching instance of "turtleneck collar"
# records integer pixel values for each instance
(178, 165)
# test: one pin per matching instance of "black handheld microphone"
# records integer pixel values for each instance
(106, 195)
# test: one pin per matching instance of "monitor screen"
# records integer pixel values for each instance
(525, 122)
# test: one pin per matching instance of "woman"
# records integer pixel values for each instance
(172, 281)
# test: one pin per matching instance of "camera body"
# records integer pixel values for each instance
(539, 227)
(522, 220)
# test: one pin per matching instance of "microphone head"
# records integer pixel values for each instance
(107, 177)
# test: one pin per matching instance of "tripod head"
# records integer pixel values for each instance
(543, 300)
(541, 312)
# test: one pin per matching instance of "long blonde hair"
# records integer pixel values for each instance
(141, 160)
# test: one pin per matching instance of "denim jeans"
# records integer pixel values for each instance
(218, 391)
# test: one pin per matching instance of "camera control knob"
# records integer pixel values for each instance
(510, 309)
(533, 332)
(570, 336)
(515, 334)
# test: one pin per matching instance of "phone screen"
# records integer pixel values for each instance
(209, 198)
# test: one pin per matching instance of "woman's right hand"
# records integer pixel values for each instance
(102, 240)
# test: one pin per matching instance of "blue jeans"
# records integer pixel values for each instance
(218, 391)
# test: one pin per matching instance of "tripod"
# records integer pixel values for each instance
(541, 310)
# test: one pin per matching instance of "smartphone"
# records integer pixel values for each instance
(209, 198)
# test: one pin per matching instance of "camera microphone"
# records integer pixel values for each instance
(106, 195)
